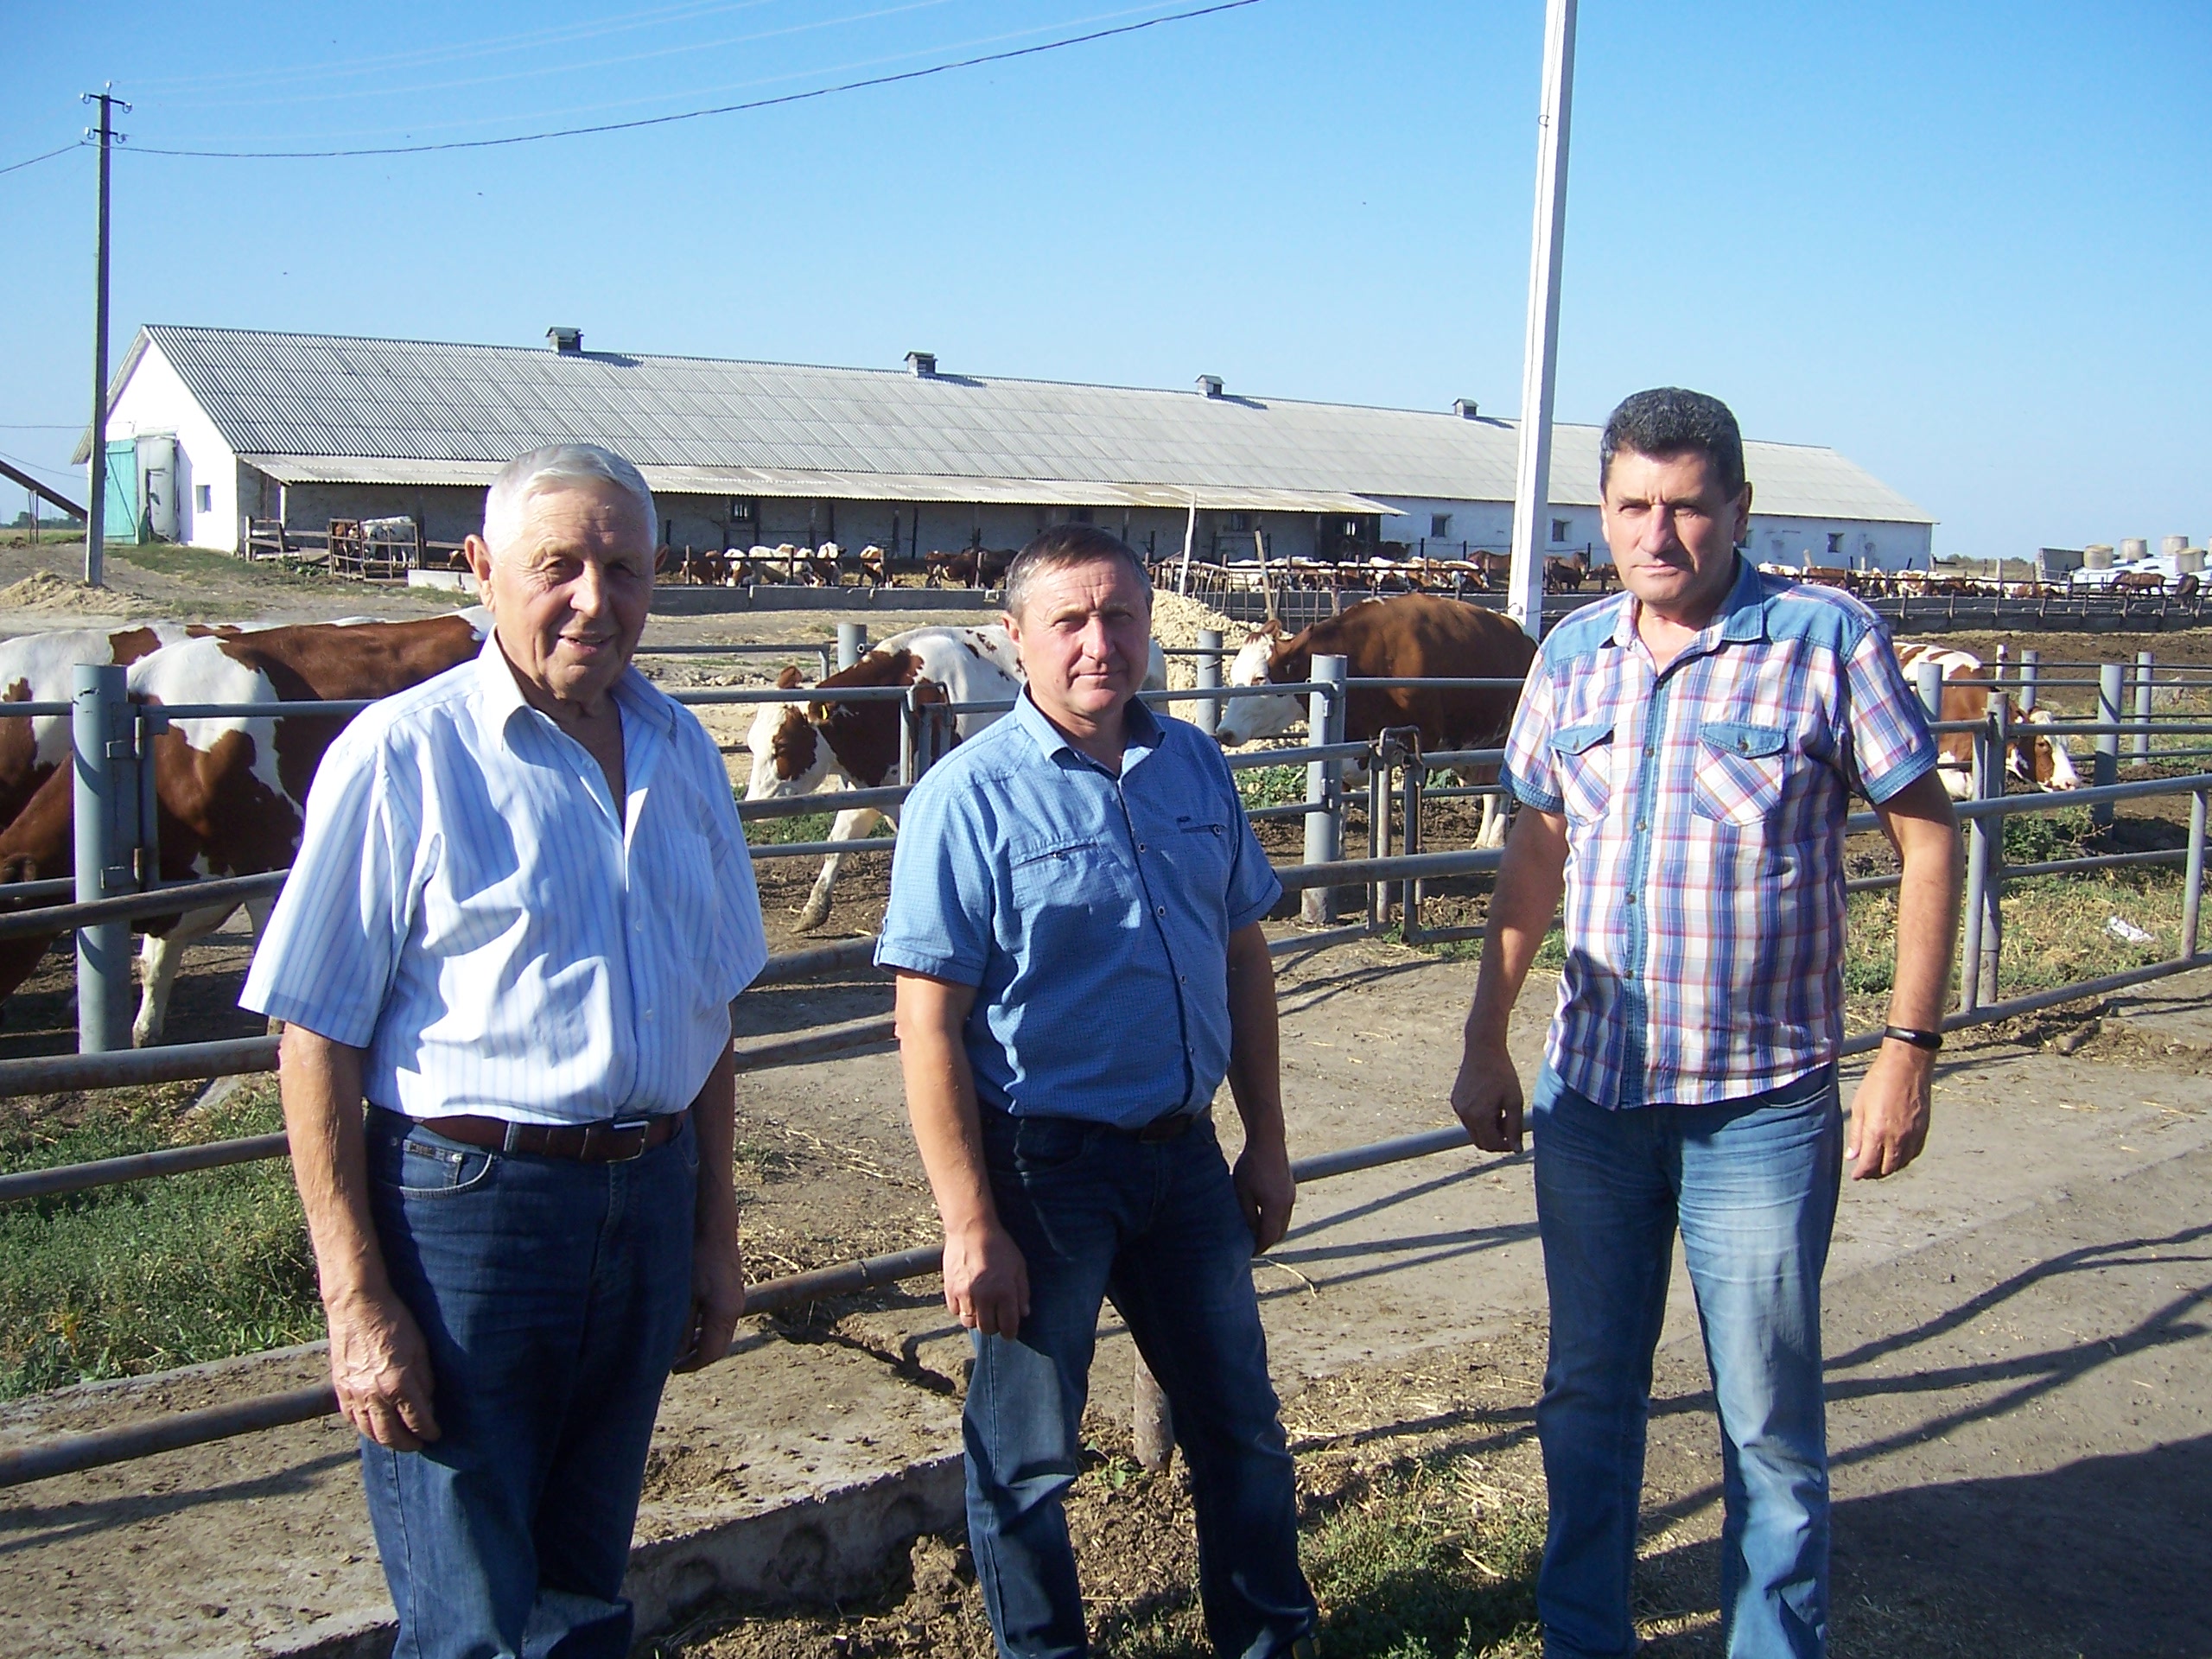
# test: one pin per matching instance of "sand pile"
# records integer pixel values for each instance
(1175, 623)
(44, 591)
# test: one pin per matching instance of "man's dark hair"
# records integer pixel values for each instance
(1064, 545)
(1668, 421)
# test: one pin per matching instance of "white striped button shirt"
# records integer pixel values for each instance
(469, 906)
(1704, 807)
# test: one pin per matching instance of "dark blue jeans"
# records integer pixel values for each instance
(1751, 1187)
(552, 1295)
(1156, 1226)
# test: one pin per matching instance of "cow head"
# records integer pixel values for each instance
(789, 757)
(2047, 763)
(1245, 719)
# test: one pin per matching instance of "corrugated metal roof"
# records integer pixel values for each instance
(859, 434)
(843, 486)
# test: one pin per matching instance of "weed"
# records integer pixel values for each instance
(1271, 786)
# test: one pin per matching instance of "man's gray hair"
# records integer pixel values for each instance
(1668, 421)
(1061, 546)
(553, 467)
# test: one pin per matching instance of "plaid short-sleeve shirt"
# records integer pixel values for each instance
(1705, 808)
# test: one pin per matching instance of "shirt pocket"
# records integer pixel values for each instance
(1582, 757)
(1064, 890)
(1741, 769)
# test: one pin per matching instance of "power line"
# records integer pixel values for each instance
(695, 115)
(594, 66)
(14, 167)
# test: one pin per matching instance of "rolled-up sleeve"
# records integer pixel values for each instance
(939, 919)
(1530, 772)
(326, 958)
(1886, 733)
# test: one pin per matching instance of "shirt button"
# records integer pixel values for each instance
(649, 1013)
(1140, 847)
(1160, 910)
(1641, 824)
(1629, 899)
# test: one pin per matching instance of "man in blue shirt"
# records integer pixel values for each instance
(521, 907)
(1075, 921)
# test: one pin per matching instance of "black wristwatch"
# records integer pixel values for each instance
(1931, 1040)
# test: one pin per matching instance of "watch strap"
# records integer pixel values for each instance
(1931, 1040)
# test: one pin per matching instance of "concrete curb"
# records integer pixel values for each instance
(837, 1543)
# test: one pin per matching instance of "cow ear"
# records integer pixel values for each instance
(789, 677)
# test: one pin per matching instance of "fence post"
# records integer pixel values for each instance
(1325, 839)
(1209, 710)
(1977, 884)
(1152, 1425)
(1996, 754)
(852, 643)
(1410, 785)
(1379, 761)
(1927, 680)
(2105, 768)
(2031, 673)
(2139, 747)
(2192, 891)
(106, 787)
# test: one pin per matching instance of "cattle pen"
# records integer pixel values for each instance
(114, 826)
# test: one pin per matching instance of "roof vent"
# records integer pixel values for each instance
(922, 365)
(1209, 385)
(1464, 408)
(567, 341)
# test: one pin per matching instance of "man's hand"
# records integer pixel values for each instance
(1266, 1193)
(717, 1301)
(381, 1369)
(1889, 1112)
(986, 1281)
(1486, 1095)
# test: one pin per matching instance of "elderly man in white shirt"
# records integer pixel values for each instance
(521, 907)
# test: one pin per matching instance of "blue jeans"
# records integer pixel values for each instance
(1156, 1227)
(552, 1295)
(1751, 1186)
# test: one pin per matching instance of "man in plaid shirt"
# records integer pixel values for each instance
(1684, 758)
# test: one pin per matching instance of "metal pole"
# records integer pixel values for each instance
(1151, 1426)
(2031, 672)
(1927, 680)
(1190, 534)
(1411, 781)
(852, 643)
(96, 502)
(1324, 723)
(1524, 600)
(1208, 716)
(1995, 749)
(2105, 767)
(103, 951)
(2140, 744)
(1977, 891)
(2192, 891)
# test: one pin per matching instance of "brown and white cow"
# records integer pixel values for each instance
(799, 745)
(2038, 757)
(231, 789)
(1416, 637)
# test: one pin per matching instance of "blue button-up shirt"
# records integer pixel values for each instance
(470, 906)
(1091, 913)
(1704, 807)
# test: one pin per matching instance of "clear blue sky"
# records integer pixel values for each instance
(1965, 244)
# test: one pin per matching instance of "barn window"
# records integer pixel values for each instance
(1439, 525)
(1561, 528)
(203, 498)
(1238, 524)
(1079, 515)
(742, 509)
(1835, 541)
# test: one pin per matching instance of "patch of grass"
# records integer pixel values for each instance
(185, 563)
(149, 1275)
(807, 826)
(2045, 838)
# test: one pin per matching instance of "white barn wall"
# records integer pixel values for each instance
(156, 401)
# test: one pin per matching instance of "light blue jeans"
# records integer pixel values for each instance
(1751, 1186)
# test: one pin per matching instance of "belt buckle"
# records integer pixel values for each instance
(596, 1135)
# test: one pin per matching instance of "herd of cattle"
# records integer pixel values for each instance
(231, 789)
(1929, 584)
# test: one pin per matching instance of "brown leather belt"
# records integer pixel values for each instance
(610, 1141)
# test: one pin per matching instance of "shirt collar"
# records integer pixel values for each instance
(1741, 618)
(499, 693)
(1142, 732)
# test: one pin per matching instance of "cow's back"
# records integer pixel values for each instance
(1422, 636)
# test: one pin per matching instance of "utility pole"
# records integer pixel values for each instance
(96, 502)
(1524, 600)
